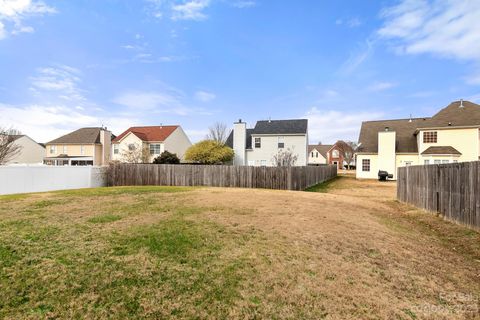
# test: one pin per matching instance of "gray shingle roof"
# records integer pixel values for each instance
(441, 150)
(295, 126)
(83, 135)
(405, 129)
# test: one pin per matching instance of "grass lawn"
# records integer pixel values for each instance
(347, 251)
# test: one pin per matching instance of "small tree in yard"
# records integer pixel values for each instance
(136, 154)
(217, 132)
(209, 152)
(284, 158)
(8, 148)
(167, 158)
(347, 150)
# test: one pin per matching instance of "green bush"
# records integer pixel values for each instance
(209, 152)
(167, 158)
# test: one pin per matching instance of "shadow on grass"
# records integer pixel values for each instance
(324, 187)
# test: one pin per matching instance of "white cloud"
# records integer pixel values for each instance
(14, 12)
(190, 10)
(170, 102)
(244, 4)
(357, 58)
(447, 28)
(381, 86)
(352, 22)
(328, 126)
(61, 79)
(204, 96)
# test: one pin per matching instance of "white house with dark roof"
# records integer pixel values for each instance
(451, 135)
(259, 145)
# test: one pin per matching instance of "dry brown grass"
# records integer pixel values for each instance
(350, 253)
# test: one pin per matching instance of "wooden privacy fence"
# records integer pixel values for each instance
(452, 190)
(283, 178)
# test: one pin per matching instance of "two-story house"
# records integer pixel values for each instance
(318, 154)
(451, 135)
(259, 146)
(149, 142)
(29, 152)
(82, 147)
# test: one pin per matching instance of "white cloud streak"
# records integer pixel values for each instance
(381, 86)
(204, 96)
(14, 12)
(190, 10)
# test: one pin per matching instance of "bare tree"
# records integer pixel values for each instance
(217, 132)
(136, 153)
(8, 148)
(284, 158)
(347, 150)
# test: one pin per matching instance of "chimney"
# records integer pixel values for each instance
(106, 141)
(239, 142)
(461, 103)
(387, 129)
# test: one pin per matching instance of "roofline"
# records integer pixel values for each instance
(403, 119)
(442, 154)
(279, 134)
(446, 128)
(130, 131)
(79, 143)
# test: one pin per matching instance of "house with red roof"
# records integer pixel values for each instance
(143, 144)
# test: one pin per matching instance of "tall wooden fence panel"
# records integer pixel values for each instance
(452, 190)
(283, 178)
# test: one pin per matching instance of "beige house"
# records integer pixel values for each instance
(144, 144)
(318, 154)
(30, 151)
(258, 146)
(451, 135)
(83, 147)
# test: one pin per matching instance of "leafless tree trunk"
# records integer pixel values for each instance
(217, 132)
(136, 154)
(8, 148)
(284, 158)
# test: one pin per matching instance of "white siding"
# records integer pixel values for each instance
(269, 147)
(178, 143)
(31, 152)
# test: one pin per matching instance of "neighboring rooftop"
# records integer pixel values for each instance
(321, 148)
(293, 126)
(441, 150)
(458, 113)
(149, 133)
(82, 135)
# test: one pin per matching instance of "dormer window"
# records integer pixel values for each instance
(430, 137)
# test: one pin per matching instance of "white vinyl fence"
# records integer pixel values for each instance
(48, 178)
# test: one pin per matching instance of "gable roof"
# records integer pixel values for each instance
(149, 133)
(321, 148)
(82, 135)
(15, 136)
(441, 150)
(455, 114)
(294, 126)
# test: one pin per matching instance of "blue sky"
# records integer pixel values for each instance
(69, 64)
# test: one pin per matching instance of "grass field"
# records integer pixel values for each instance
(346, 251)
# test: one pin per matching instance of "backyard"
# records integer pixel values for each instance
(346, 250)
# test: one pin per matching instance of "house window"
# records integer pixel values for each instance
(455, 161)
(408, 163)
(312, 154)
(115, 149)
(316, 155)
(281, 142)
(335, 153)
(445, 161)
(53, 149)
(430, 137)
(426, 162)
(437, 161)
(82, 150)
(263, 163)
(251, 162)
(132, 147)
(366, 165)
(258, 142)
(64, 150)
(155, 148)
